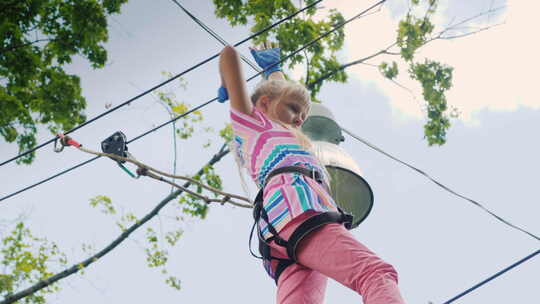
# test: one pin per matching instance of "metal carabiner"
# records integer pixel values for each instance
(61, 148)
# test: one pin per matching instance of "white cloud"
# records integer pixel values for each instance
(493, 69)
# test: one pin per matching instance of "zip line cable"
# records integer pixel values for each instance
(215, 35)
(493, 277)
(218, 38)
(155, 87)
(336, 27)
(204, 104)
(440, 184)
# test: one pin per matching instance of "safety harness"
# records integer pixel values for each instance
(301, 231)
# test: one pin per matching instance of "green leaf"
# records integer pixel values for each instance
(291, 35)
(435, 79)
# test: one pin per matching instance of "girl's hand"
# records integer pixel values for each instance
(223, 95)
(268, 58)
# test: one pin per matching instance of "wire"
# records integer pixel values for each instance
(156, 86)
(439, 184)
(336, 27)
(204, 104)
(94, 158)
(214, 34)
(145, 170)
(224, 43)
(49, 178)
(493, 277)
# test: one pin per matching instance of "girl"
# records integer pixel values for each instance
(268, 142)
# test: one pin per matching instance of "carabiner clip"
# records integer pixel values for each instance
(56, 148)
(64, 141)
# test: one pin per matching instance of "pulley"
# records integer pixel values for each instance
(117, 144)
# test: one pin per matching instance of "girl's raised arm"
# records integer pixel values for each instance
(233, 80)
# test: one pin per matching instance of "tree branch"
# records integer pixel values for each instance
(470, 33)
(24, 44)
(344, 66)
(440, 35)
(451, 27)
(122, 237)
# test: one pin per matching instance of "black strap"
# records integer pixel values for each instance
(281, 267)
(259, 211)
(312, 224)
(301, 231)
(273, 231)
(311, 173)
(314, 174)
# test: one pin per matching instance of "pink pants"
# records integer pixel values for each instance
(332, 251)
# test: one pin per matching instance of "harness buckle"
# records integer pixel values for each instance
(316, 176)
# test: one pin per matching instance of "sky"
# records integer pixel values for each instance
(440, 244)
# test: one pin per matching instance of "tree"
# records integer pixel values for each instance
(293, 34)
(30, 262)
(26, 258)
(39, 37)
(415, 30)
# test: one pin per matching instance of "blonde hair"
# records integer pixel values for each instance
(277, 89)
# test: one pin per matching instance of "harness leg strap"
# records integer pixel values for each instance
(300, 232)
(281, 266)
(309, 226)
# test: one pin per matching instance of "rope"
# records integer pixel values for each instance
(145, 170)
(156, 86)
(440, 184)
(108, 248)
(493, 277)
(92, 159)
(204, 104)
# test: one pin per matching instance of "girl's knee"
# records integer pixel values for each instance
(376, 273)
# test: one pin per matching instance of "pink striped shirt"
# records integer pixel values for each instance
(263, 145)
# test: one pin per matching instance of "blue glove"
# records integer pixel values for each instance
(268, 60)
(223, 95)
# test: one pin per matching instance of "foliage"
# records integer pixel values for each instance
(156, 251)
(178, 108)
(157, 256)
(292, 35)
(389, 71)
(39, 37)
(434, 77)
(226, 133)
(413, 32)
(105, 202)
(26, 260)
(194, 206)
(157, 245)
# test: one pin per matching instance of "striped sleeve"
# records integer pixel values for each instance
(246, 130)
